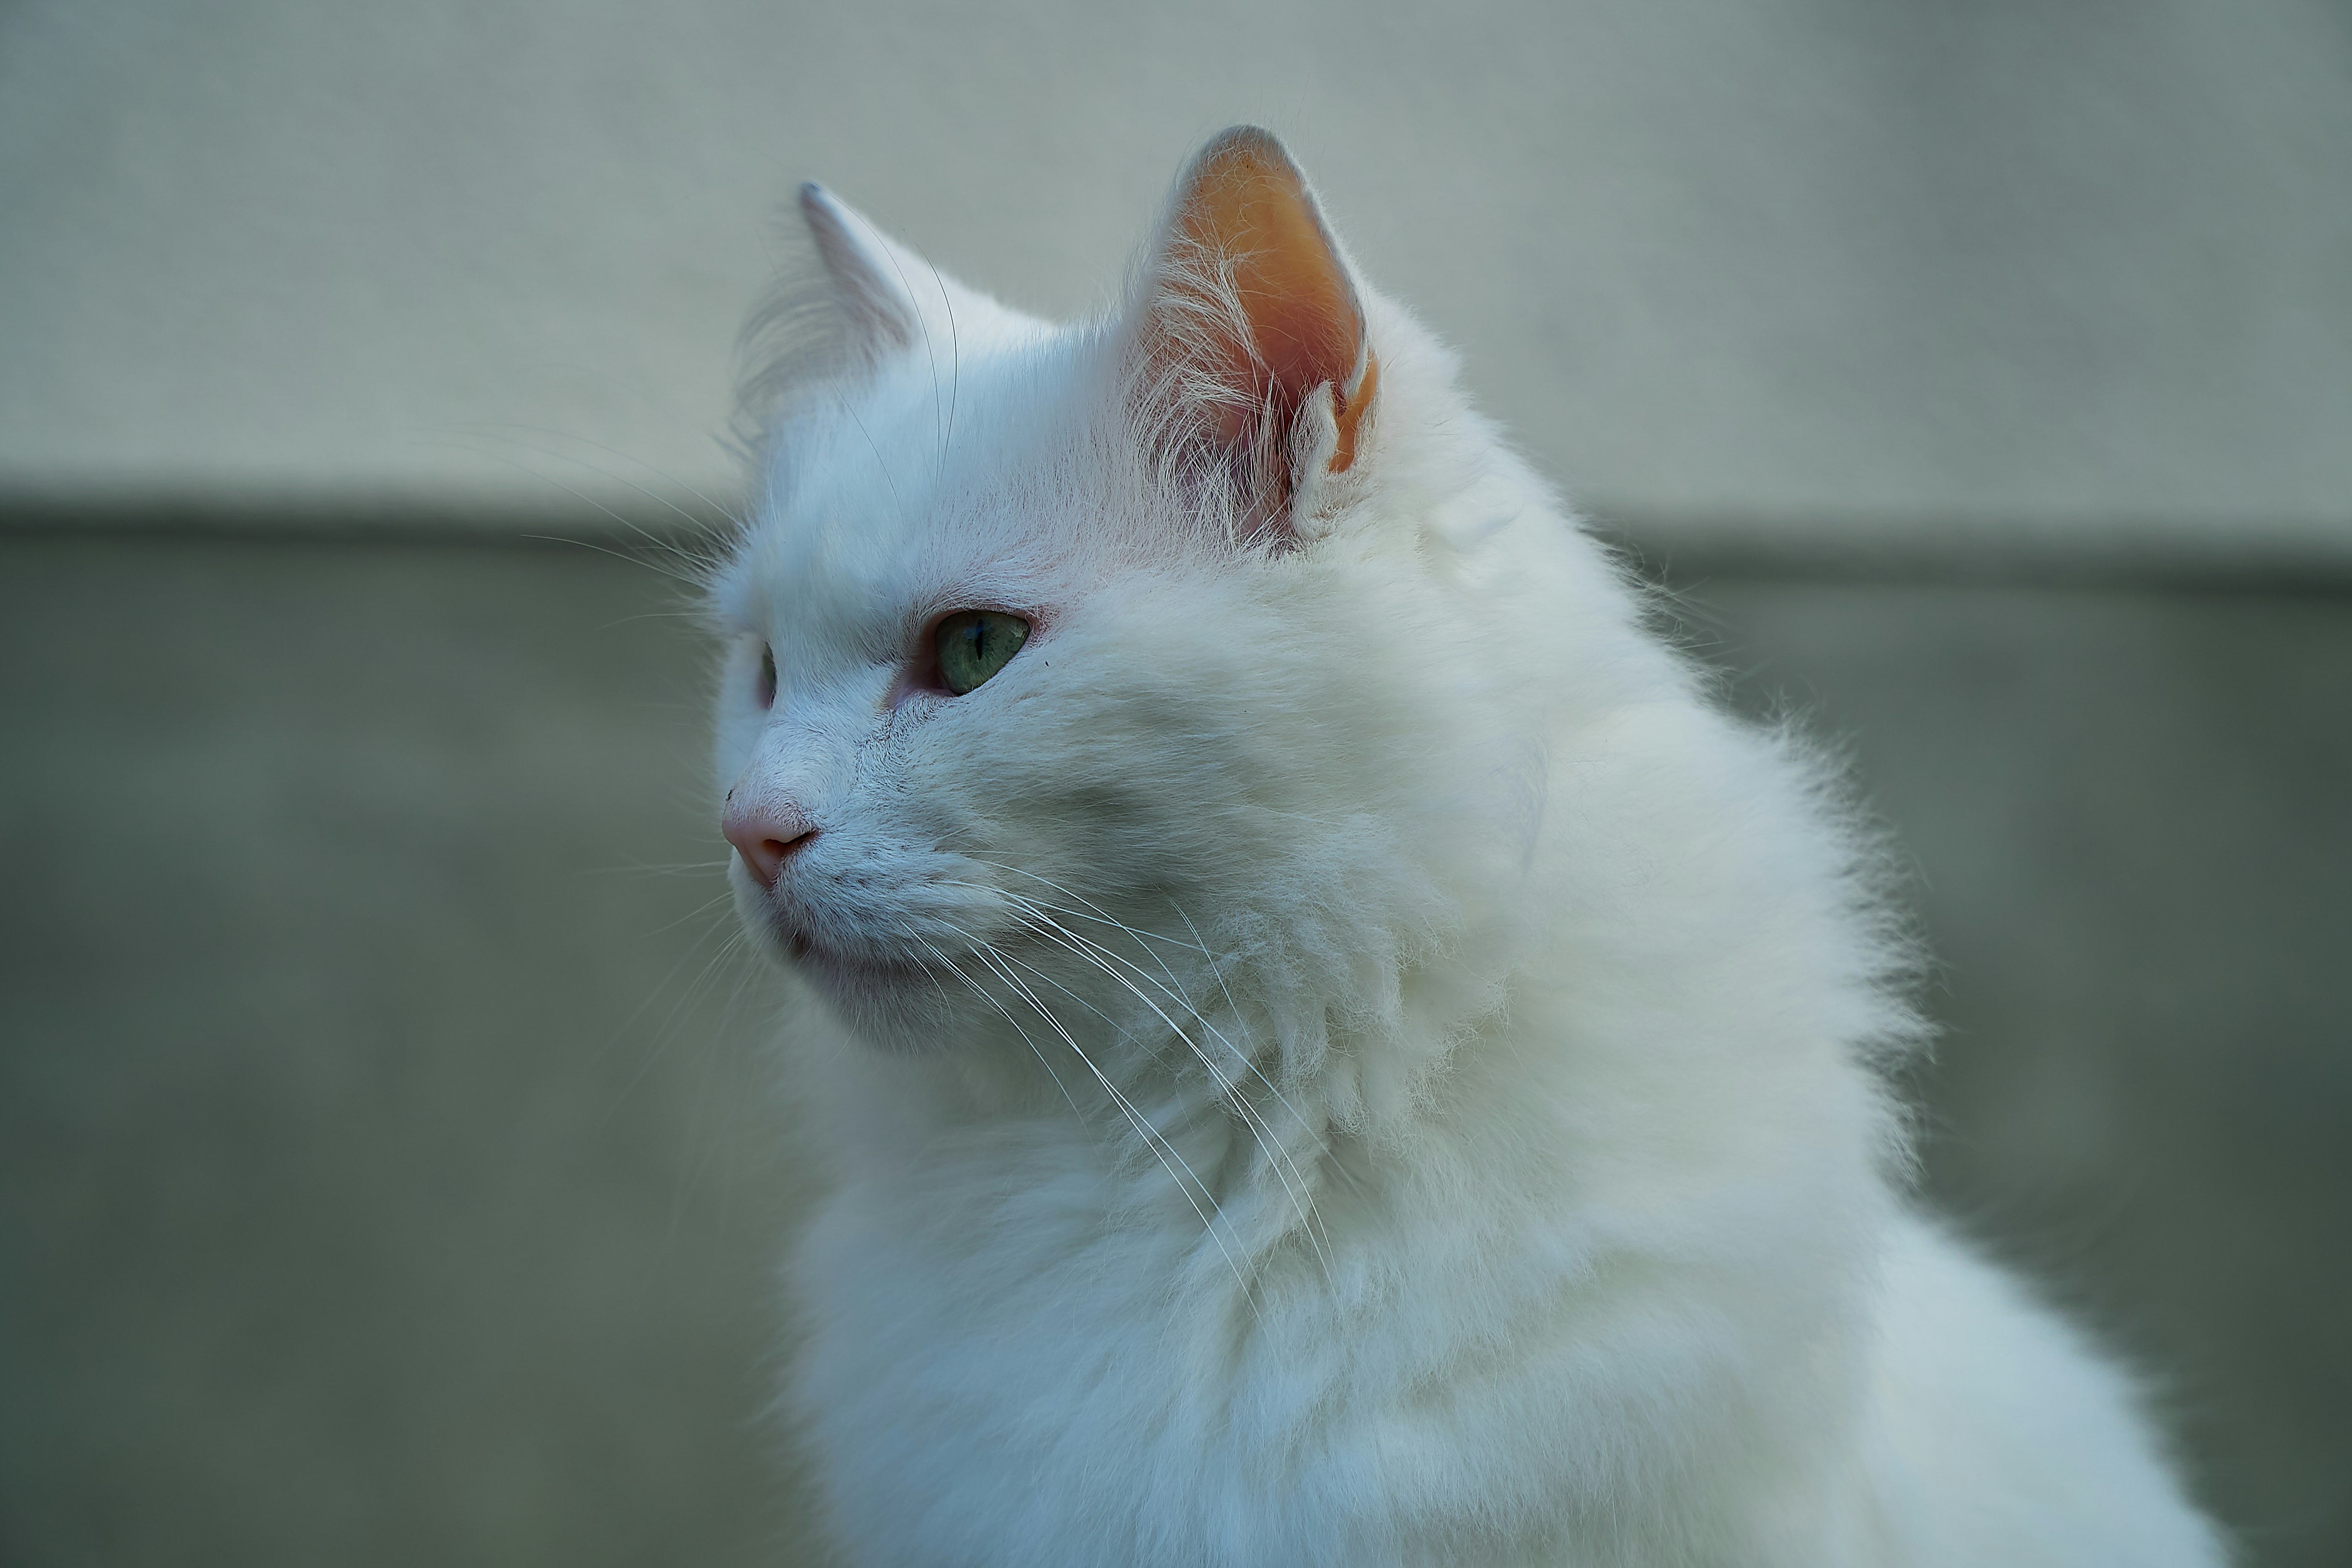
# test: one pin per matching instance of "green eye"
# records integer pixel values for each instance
(975, 645)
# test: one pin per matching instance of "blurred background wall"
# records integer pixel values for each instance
(390, 1169)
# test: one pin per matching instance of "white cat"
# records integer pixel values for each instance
(1331, 1047)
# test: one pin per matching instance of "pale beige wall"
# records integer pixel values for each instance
(2052, 265)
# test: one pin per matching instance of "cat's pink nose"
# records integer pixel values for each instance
(766, 834)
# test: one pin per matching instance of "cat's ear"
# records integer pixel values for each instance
(1248, 351)
(872, 276)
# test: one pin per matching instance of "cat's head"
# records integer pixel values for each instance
(1093, 679)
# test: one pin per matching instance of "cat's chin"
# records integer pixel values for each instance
(890, 1003)
(836, 970)
(894, 1008)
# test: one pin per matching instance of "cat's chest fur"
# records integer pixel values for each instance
(1022, 1351)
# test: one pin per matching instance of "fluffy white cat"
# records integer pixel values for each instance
(1329, 1044)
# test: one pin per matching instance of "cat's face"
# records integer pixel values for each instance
(1041, 685)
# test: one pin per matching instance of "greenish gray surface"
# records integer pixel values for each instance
(382, 1182)
(383, 1179)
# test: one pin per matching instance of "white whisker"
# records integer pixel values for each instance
(1285, 1164)
(878, 462)
(1161, 1147)
(1286, 1169)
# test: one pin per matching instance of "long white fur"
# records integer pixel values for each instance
(1343, 1054)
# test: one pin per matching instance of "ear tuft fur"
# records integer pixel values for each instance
(869, 299)
(1250, 348)
(868, 276)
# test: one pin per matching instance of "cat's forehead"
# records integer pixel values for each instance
(981, 482)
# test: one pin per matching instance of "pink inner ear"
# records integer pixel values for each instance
(1244, 217)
